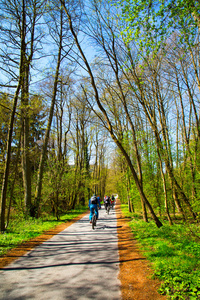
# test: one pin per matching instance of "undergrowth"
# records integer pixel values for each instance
(21, 229)
(174, 252)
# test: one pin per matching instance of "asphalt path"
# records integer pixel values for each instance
(78, 263)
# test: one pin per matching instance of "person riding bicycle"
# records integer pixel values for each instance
(94, 202)
(106, 202)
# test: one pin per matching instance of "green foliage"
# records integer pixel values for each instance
(149, 23)
(37, 115)
(21, 229)
(121, 188)
(174, 252)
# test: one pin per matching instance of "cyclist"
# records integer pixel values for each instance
(106, 202)
(94, 202)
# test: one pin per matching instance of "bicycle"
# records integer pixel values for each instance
(107, 207)
(112, 205)
(94, 219)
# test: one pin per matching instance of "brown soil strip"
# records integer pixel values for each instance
(135, 272)
(23, 248)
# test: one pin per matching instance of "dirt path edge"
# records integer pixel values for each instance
(135, 271)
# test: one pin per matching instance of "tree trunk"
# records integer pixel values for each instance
(13, 181)
(25, 144)
(27, 59)
(7, 163)
(165, 192)
(115, 66)
(46, 139)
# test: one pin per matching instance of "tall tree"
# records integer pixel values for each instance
(107, 120)
(21, 36)
(59, 33)
(104, 31)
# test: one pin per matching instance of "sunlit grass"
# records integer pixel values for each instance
(174, 252)
(21, 230)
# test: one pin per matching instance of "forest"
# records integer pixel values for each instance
(100, 96)
(103, 97)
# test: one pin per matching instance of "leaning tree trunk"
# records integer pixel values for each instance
(109, 126)
(115, 66)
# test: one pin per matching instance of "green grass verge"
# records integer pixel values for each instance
(21, 230)
(174, 252)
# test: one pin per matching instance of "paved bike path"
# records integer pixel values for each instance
(77, 263)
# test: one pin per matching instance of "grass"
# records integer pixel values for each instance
(21, 230)
(174, 252)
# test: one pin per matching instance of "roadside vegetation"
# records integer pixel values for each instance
(22, 229)
(174, 253)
